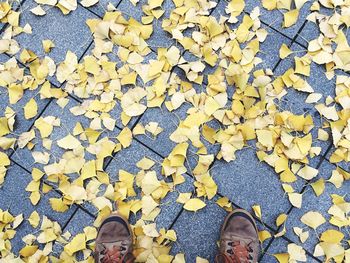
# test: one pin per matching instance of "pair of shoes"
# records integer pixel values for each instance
(239, 242)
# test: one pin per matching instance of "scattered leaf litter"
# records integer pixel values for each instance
(120, 72)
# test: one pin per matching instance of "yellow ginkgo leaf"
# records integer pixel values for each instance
(282, 257)
(145, 163)
(332, 236)
(257, 211)
(88, 3)
(30, 109)
(285, 51)
(307, 172)
(201, 260)
(281, 219)
(295, 199)
(125, 137)
(28, 251)
(76, 244)
(296, 252)
(48, 45)
(183, 198)
(290, 17)
(34, 219)
(58, 205)
(179, 258)
(38, 11)
(194, 204)
(263, 235)
(68, 142)
(318, 186)
(313, 219)
(336, 179)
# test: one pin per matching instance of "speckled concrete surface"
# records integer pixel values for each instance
(197, 232)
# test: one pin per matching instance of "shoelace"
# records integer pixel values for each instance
(238, 253)
(116, 254)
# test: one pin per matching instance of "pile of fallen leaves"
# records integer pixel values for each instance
(231, 100)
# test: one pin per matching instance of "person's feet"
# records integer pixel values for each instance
(114, 241)
(239, 241)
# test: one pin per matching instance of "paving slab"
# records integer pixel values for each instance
(198, 233)
(247, 182)
(126, 160)
(76, 225)
(15, 198)
(68, 32)
(319, 204)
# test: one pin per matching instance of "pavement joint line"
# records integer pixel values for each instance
(91, 11)
(54, 188)
(51, 83)
(266, 249)
(176, 218)
(69, 220)
(6, 25)
(143, 144)
(290, 45)
(31, 126)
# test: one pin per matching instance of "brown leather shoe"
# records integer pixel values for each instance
(239, 241)
(114, 241)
